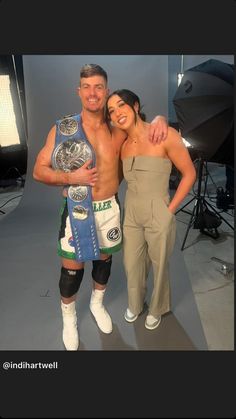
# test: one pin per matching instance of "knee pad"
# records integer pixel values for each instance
(101, 270)
(70, 281)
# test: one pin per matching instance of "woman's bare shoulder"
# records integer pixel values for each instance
(173, 134)
(174, 140)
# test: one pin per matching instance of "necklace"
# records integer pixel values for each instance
(133, 140)
(139, 135)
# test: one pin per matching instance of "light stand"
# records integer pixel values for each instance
(199, 204)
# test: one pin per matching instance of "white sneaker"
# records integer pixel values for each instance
(99, 312)
(70, 335)
(129, 316)
(152, 322)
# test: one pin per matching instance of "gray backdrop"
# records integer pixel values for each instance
(50, 87)
(30, 267)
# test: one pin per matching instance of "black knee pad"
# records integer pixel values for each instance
(101, 270)
(70, 281)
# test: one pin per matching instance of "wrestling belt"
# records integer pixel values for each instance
(72, 150)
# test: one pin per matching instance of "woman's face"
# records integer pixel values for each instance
(121, 114)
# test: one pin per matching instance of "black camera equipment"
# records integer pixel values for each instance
(204, 108)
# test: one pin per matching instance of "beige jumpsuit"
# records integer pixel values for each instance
(149, 230)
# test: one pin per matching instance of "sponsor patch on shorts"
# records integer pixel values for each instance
(114, 234)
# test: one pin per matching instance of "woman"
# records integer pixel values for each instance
(149, 222)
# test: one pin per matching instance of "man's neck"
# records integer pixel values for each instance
(92, 119)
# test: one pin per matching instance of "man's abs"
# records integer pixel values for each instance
(104, 190)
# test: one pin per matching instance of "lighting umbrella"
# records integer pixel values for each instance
(205, 109)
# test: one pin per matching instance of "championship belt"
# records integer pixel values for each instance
(72, 150)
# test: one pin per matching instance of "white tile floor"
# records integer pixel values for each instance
(213, 287)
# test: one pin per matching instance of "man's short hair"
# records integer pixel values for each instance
(89, 70)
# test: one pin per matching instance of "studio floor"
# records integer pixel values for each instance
(202, 317)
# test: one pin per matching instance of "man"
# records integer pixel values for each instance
(102, 181)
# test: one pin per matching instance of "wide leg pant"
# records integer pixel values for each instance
(149, 234)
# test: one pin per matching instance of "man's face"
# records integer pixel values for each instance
(93, 92)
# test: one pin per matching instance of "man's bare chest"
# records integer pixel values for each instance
(102, 143)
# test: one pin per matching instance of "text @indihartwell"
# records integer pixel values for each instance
(24, 365)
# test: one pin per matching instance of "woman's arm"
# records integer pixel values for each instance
(179, 155)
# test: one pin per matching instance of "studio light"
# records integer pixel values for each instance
(179, 78)
(180, 75)
(204, 108)
(186, 143)
(8, 128)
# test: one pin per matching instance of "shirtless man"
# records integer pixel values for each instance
(103, 181)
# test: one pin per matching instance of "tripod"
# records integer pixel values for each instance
(199, 204)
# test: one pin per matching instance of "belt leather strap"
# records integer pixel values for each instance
(72, 149)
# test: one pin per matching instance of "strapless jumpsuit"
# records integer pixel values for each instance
(149, 231)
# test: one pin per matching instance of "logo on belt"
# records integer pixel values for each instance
(78, 193)
(71, 155)
(68, 126)
(80, 213)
